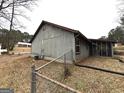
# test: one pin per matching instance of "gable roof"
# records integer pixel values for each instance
(58, 26)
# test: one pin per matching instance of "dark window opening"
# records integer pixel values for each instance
(77, 46)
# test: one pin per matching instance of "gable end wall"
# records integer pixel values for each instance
(53, 41)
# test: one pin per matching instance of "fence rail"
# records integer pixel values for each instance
(58, 83)
(36, 74)
(52, 60)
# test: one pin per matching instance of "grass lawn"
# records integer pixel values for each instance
(17, 74)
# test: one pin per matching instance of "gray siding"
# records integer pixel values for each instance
(53, 41)
(84, 50)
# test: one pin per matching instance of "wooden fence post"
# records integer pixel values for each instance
(33, 80)
(65, 67)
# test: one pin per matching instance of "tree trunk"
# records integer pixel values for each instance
(11, 25)
(1, 5)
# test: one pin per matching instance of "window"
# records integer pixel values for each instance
(77, 46)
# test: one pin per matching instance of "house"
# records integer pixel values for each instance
(52, 40)
(22, 48)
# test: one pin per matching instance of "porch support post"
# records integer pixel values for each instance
(101, 49)
(92, 48)
(111, 49)
(96, 50)
(106, 49)
(0, 49)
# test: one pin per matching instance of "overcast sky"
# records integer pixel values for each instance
(94, 18)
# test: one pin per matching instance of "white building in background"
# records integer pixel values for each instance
(2, 50)
(22, 48)
(23, 44)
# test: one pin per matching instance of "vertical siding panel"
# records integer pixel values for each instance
(84, 50)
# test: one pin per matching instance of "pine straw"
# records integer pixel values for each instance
(17, 74)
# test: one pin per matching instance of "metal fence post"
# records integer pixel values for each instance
(65, 67)
(33, 80)
(65, 61)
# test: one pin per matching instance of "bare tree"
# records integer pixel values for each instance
(120, 7)
(6, 7)
(9, 10)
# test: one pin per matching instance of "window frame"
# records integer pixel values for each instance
(77, 46)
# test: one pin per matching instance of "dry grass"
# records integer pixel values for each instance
(119, 47)
(91, 81)
(104, 62)
(17, 74)
(119, 50)
(21, 49)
